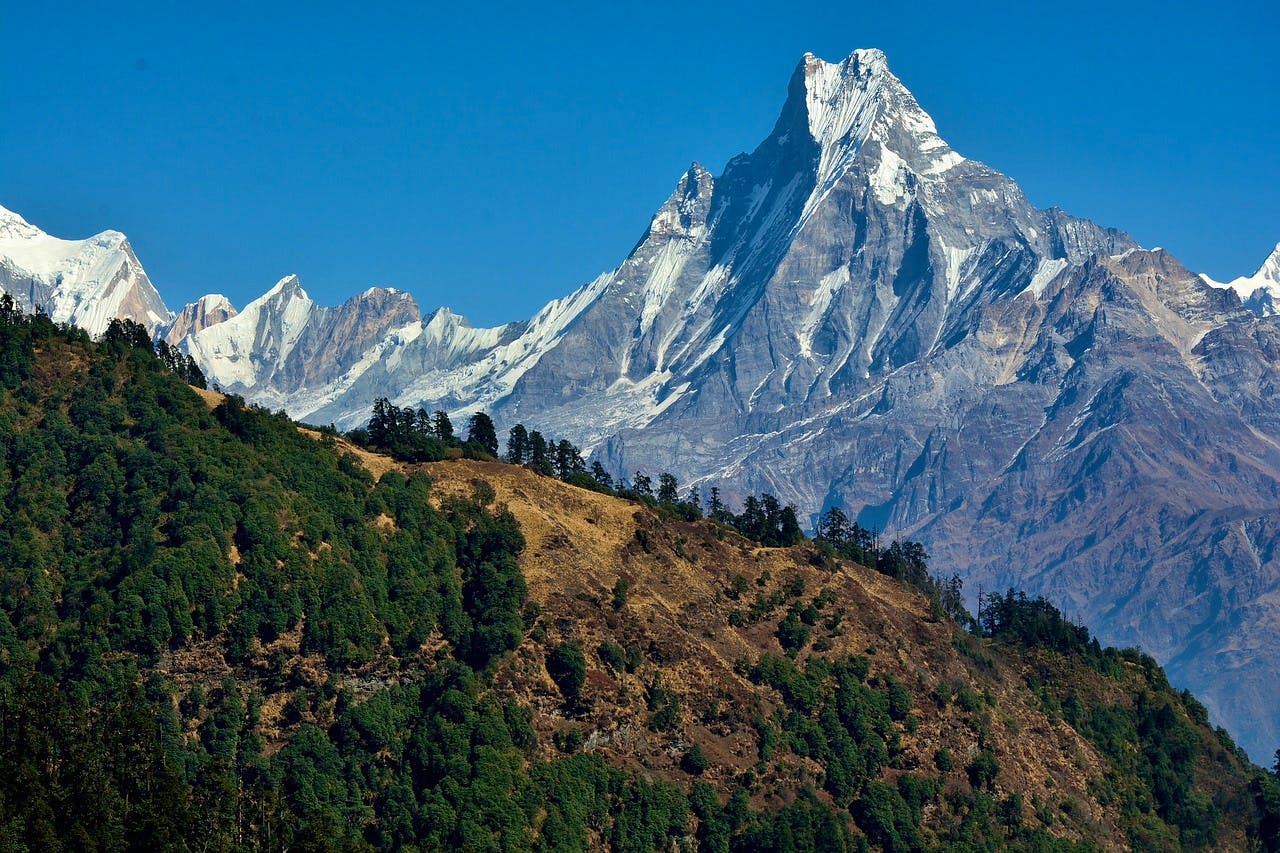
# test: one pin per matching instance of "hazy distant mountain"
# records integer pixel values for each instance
(856, 314)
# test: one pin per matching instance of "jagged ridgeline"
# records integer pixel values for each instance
(221, 632)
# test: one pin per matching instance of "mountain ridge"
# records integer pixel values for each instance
(853, 314)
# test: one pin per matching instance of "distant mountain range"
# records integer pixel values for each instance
(853, 314)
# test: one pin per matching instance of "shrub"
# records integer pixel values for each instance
(567, 667)
(694, 762)
(612, 655)
(620, 590)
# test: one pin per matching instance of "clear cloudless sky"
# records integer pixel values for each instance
(494, 156)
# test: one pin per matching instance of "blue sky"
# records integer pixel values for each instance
(492, 160)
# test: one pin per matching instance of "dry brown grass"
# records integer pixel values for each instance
(580, 543)
(212, 399)
(677, 613)
(375, 463)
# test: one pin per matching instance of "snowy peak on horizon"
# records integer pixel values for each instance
(813, 222)
(1259, 292)
(858, 100)
(87, 282)
(14, 227)
(855, 315)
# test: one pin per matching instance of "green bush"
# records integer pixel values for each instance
(694, 762)
(567, 667)
(612, 656)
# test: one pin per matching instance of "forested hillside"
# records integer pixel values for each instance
(219, 632)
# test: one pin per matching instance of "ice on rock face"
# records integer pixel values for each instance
(852, 102)
(208, 310)
(711, 278)
(841, 99)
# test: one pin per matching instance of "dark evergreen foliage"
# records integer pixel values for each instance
(403, 433)
(903, 559)
(517, 445)
(482, 434)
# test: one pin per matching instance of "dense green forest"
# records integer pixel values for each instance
(218, 633)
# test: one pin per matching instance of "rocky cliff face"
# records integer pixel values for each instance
(86, 282)
(854, 314)
(197, 316)
(852, 241)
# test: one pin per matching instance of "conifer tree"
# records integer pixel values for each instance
(833, 527)
(381, 423)
(667, 488)
(517, 445)
(539, 457)
(480, 431)
(443, 427)
(568, 460)
(600, 475)
(715, 506)
(642, 485)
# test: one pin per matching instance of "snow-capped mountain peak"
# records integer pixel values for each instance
(14, 227)
(841, 98)
(1259, 292)
(859, 100)
(87, 282)
(853, 314)
(288, 287)
(680, 216)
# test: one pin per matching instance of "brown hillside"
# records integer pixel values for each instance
(701, 606)
(677, 612)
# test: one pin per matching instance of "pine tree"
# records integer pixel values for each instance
(406, 426)
(789, 532)
(600, 475)
(480, 431)
(715, 506)
(568, 460)
(517, 445)
(642, 485)
(833, 527)
(443, 427)
(539, 457)
(381, 423)
(667, 488)
(195, 376)
(751, 523)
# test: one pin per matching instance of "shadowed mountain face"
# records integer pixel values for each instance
(854, 314)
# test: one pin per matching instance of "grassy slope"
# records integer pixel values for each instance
(678, 610)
